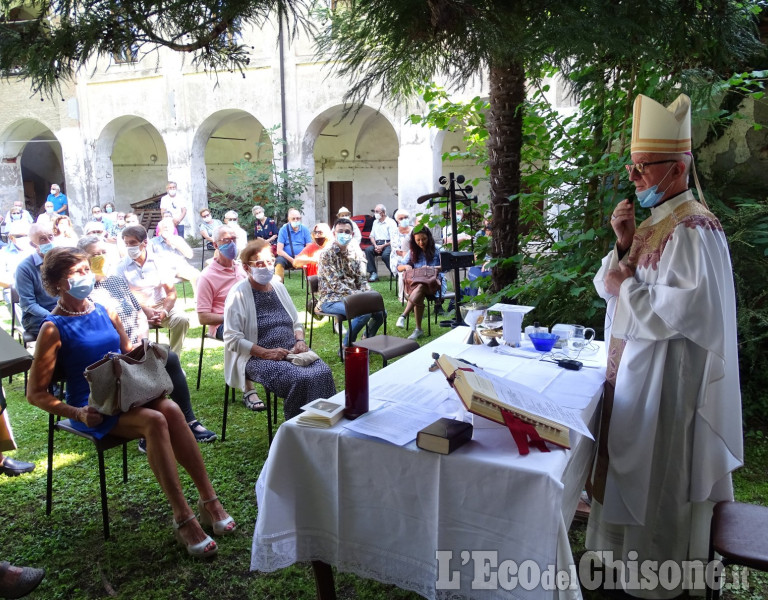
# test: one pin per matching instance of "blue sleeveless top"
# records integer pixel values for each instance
(84, 340)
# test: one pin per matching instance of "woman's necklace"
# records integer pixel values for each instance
(88, 308)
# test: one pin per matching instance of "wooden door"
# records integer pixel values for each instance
(339, 194)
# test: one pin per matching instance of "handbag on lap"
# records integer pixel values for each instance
(426, 276)
(119, 382)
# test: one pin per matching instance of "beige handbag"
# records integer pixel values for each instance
(303, 359)
(121, 381)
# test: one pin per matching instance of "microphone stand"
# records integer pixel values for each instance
(454, 188)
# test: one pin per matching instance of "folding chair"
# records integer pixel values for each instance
(387, 346)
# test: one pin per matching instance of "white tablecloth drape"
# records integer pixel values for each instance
(383, 511)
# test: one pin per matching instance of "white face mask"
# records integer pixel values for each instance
(262, 275)
(133, 251)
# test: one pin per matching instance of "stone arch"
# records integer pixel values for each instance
(223, 138)
(362, 148)
(31, 161)
(131, 162)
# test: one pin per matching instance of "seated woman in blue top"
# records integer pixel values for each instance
(423, 252)
(76, 334)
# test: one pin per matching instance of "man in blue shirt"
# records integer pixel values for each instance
(59, 200)
(291, 239)
(34, 301)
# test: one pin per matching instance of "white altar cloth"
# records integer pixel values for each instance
(382, 511)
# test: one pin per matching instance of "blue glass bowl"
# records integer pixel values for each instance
(543, 342)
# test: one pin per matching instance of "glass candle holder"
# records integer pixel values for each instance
(355, 382)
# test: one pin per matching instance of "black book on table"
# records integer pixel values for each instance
(444, 435)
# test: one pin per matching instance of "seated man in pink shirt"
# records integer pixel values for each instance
(216, 280)
(213, 286)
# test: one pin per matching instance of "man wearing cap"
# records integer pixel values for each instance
(671, 431)
(381, 241)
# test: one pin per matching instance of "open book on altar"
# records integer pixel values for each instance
(530, 417)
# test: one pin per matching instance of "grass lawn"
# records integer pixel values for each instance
(142, 560)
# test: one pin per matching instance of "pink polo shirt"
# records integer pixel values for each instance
(213, 286)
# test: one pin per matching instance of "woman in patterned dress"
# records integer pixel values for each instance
(261, 328)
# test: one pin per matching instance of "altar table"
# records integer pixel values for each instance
(384, 512)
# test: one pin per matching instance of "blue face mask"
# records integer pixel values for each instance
(45, 248)
(228, 250)
(343, 238)
(81, 287)
(650, 197)
(404, 223)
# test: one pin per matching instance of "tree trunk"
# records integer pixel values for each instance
(505, 139)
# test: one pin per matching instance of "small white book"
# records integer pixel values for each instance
(321, 413)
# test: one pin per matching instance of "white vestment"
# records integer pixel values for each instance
(674, 434)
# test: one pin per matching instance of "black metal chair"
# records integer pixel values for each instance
(271, 410)
(436, 299)
(739, 534)
(312, 283)
(101, 445)
(25, 338)
(200, 360)
(387, 346)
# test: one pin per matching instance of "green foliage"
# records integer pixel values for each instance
(262, 182)
(48, 41)
(745, 222)
(572, 177)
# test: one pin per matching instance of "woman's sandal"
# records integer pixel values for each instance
(199, 550)
(255, 405)
(219, 527)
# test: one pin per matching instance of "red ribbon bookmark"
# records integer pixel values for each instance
(524, 434)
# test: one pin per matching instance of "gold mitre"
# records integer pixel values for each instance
(659, 129)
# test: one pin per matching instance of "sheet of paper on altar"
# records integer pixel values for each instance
(395, 423)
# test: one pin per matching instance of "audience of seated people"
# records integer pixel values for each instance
(87, 300)
(79, 332)
(113, 293)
